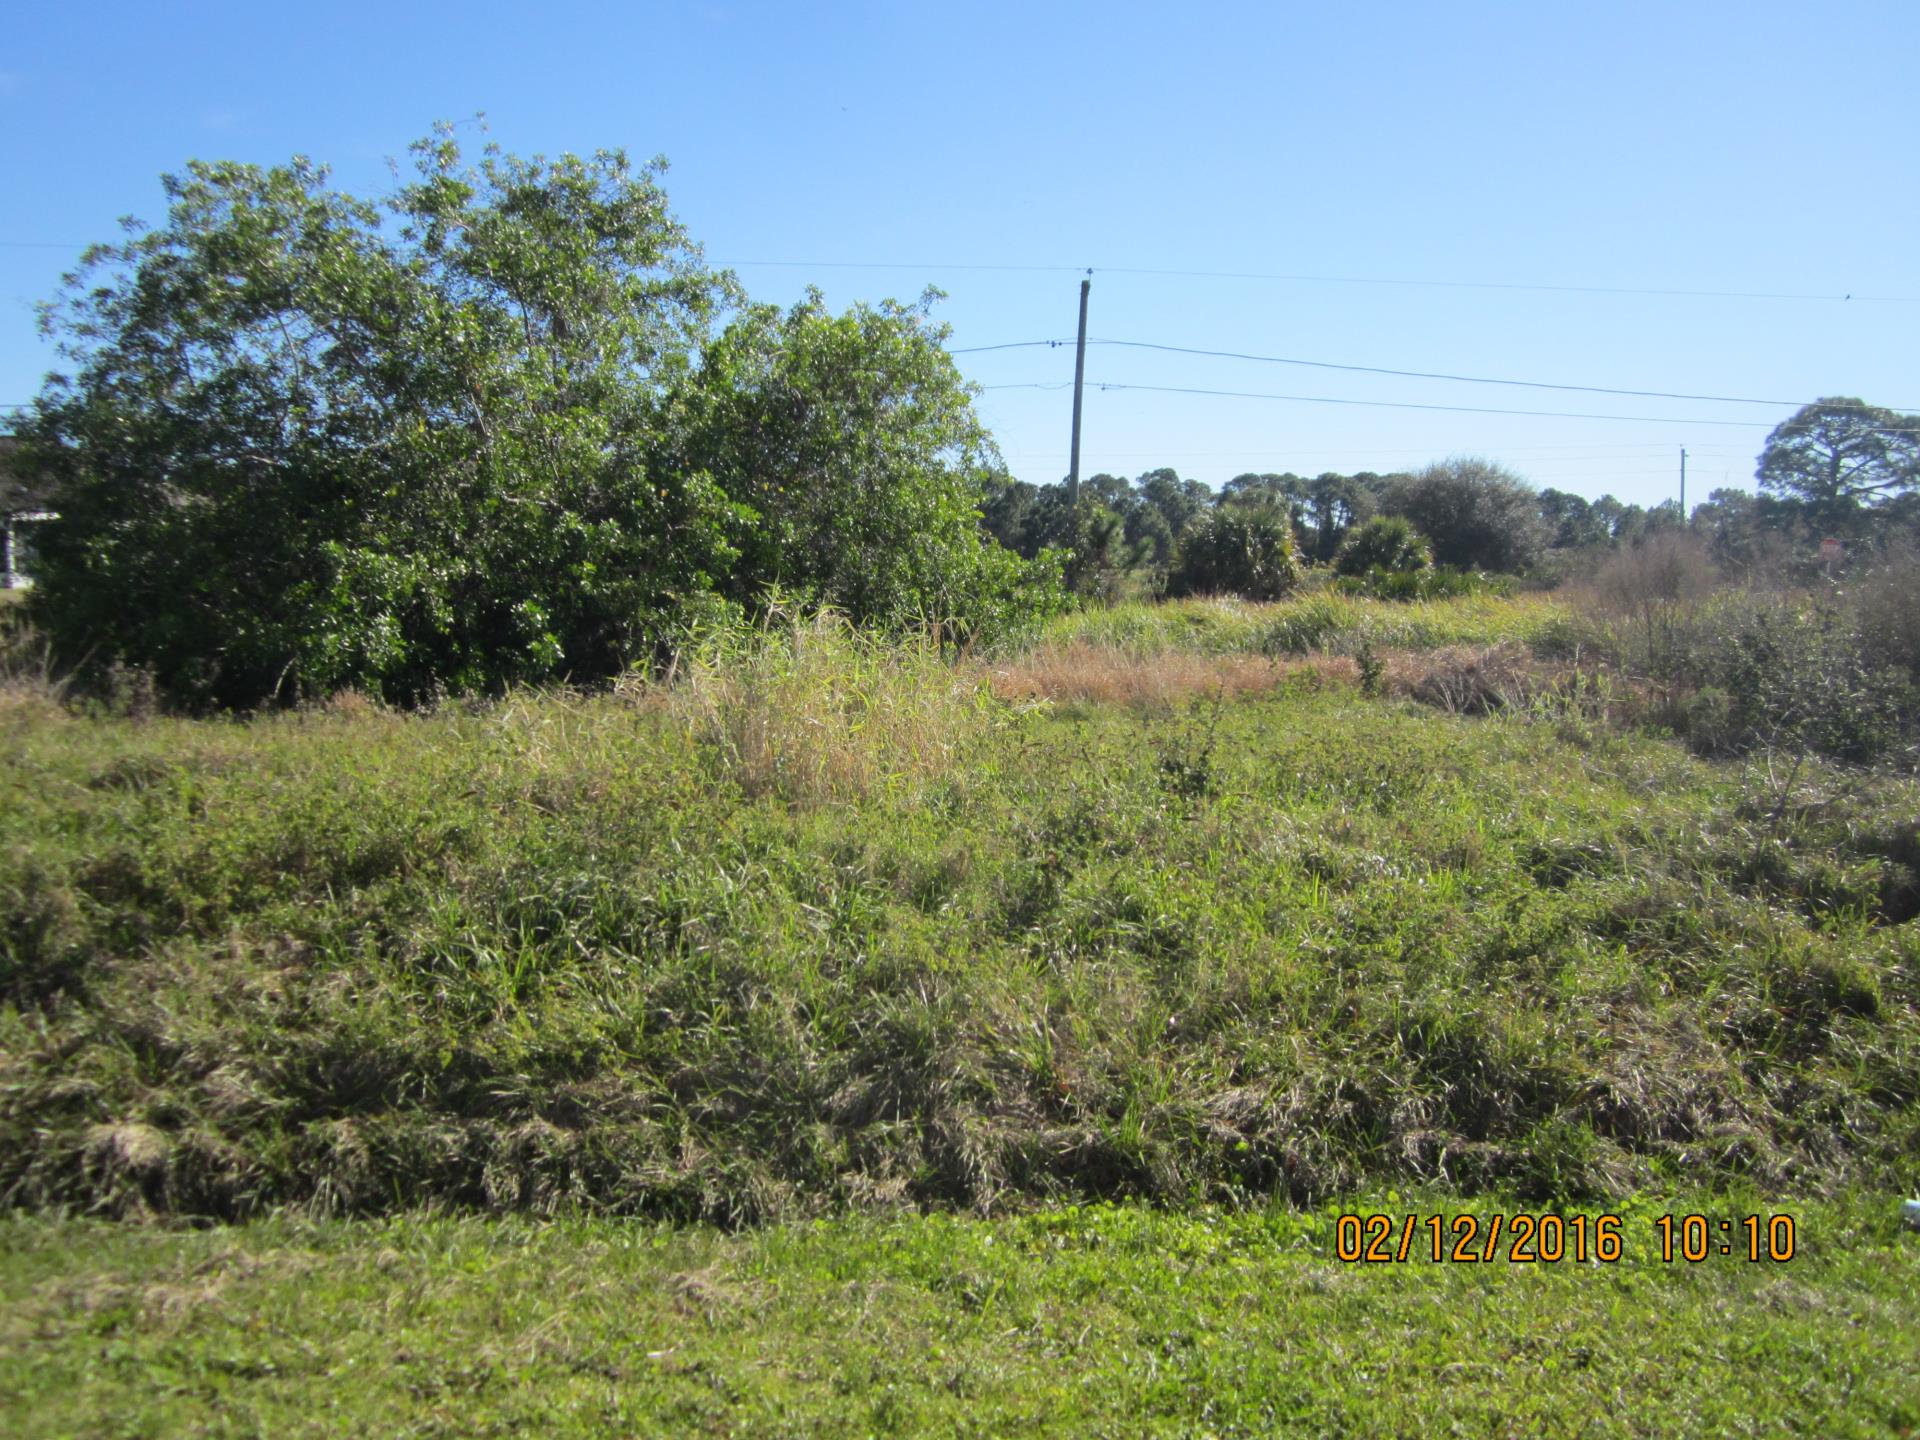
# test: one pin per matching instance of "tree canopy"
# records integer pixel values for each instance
(1477, 515)
(488, 430)
(1839, 452)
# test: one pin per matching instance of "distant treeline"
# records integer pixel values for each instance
(1839, 469)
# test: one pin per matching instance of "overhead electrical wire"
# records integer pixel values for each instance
(1462, 379)
(1411, 405)
(1408, 374)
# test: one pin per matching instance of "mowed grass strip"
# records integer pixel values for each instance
(1091, 1321)
(836, 928)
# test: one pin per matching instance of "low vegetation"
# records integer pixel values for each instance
(1070, 1322)
(828, 922)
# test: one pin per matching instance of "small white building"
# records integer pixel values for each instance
(20, 512)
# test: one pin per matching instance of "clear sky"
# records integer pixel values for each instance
(874, 149)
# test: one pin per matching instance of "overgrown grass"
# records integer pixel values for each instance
(904, 961)
(837, 929)
(811, 710)
(1091, 1321)
(1323, 621)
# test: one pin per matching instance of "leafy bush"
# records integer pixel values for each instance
(1409, 586)
(1798, 677)
(1386, 543)
(1244, 550)
(1476, 514)
(494, 442)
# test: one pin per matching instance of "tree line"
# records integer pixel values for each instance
(506, 425)
(1838, 469)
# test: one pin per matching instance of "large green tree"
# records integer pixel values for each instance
(1839, 453)
(312, 441)
(466, 437)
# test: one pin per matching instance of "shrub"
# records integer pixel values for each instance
(1477, 515)
(1244, 550)
(1776, 674)
(495, 441)
(1408, 586)
(1386, 543)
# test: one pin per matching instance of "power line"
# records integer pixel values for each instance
(1544, 455)
(1468, 379)
(1010, 345)
(1419, 374)
(1410, 405)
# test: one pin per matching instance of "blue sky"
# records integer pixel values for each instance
(1752, 147)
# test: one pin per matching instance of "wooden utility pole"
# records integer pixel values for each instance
(1683, 487)
(1079, 377)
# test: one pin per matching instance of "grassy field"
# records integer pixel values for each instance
(1177, 909)
(1107, 1321)
(1326, 622)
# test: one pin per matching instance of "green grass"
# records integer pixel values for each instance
(1018, 1051)
(563, 952)
(1327, 621)
(1095, 1321)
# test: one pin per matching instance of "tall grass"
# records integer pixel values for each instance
(1321, 621)
(812, 710)
(772, 943)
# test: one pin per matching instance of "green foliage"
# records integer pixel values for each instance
(491, 441)
(1387, 543)
(1244, 550)
(1476, 515)
(302, 452)
(1800, 678)
(1839, 452)
(1373, 670)
(850, 447)
(1409, 586)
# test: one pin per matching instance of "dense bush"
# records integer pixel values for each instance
(496, 440)
(1771, 673)
(1477, 515)
(1386, 542)
(1884, 598)
(1244, 550)
(1412, 585)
